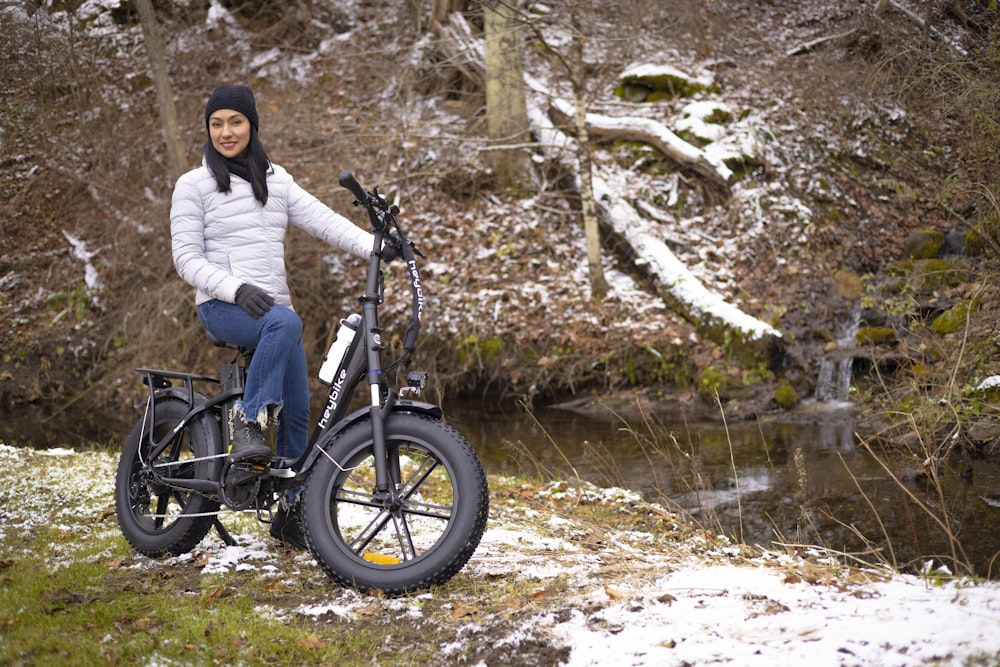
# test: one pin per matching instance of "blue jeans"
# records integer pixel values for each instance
(277, 376)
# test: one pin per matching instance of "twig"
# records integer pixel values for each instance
(809, 46)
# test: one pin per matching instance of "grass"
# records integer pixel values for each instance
(72, 591)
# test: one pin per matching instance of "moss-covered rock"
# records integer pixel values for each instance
(924, 243)
(785, 395)
(651, 83)
(923, 276)
(955, 318)
(975, 245)
(876, 336)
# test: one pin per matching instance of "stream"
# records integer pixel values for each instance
(763, 483)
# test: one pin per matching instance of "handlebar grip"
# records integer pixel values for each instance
(348, 181)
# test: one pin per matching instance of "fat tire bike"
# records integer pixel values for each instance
(392, 497)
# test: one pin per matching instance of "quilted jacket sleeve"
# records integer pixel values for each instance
(187, 232)
(312, 215)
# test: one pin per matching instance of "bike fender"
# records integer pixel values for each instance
(182, 394)
(401, 405)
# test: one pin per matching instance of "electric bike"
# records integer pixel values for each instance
(392, 497)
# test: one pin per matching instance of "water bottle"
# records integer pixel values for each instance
(339, 347)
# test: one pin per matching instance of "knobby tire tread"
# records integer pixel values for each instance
(183, 534)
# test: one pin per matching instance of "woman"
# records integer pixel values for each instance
(228, 220)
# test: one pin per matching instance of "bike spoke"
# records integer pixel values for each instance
(352, 497)
(418, 476)
(403, 537)
(430, 510)
(370, 532)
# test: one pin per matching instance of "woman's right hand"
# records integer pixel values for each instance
(253, 300)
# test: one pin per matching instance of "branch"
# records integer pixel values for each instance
(809, 46)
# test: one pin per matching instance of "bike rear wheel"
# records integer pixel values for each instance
(425, 538)
(157, 519)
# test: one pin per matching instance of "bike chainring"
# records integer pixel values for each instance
(241, 483)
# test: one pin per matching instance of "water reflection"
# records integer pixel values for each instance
(762, 483)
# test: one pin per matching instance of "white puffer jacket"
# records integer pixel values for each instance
(222, 240)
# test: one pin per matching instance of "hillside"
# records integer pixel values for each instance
(850, 145)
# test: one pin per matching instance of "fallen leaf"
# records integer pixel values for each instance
(312, 641)
(614, 594)
(214, 595)
(462, 610)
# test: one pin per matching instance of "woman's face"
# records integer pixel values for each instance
(229, 131)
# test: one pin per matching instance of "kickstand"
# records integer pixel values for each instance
(224, 534)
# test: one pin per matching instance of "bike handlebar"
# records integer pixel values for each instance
(348, 181)
(383, 219)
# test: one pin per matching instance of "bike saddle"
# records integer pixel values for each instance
(218, 342)
(215, 340)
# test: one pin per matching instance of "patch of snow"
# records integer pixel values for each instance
(989, 383)
(91, 277)
(760, 616)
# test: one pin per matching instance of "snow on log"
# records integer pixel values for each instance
(653, 133)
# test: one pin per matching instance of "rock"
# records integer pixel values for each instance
(923, 243)
(955, 318)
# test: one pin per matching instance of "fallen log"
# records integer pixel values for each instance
(652, 133)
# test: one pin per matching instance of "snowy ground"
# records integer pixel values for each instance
(664, 595)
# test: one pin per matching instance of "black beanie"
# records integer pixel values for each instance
(237, 98)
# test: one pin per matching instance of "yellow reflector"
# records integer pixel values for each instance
(380, 559)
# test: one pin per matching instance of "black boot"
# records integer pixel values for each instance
(248, 442)
(286, 527)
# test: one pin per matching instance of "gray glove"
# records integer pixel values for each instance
(253, 300)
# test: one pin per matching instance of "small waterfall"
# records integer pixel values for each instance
(833, 382)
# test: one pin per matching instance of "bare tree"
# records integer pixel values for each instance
(591, 224)
(506, 108)
(176, 161)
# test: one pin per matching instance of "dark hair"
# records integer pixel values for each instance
(252, 167)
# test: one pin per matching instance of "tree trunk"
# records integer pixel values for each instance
(591, 225)
(506, 109)
(176, 161)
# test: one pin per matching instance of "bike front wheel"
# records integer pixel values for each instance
(422, 538)
(155, 517)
